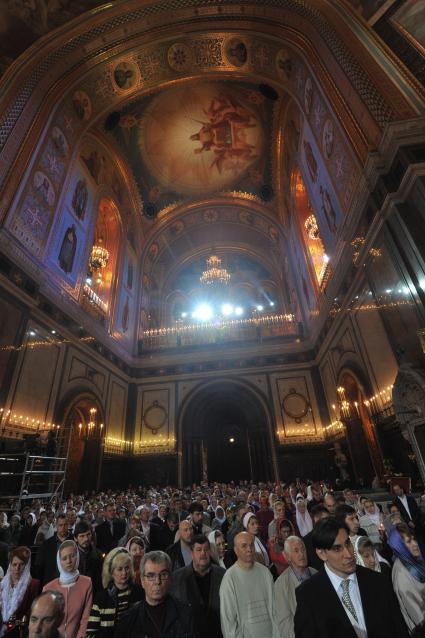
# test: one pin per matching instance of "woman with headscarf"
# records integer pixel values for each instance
(303, 518)
(76, 589)
(17, 590)
(372, 522)
(408, 575)
(367, 556)
(136, 548)
(219, 518)
(252, 526)
(119, 594)
(284, 529)
(218, 549)
(45, 529)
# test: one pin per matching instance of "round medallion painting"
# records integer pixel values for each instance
(199, 139)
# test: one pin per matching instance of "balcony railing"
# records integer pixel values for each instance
(256, 329)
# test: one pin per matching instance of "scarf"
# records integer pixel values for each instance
(375, 517)
(213, 550)
(415, 565)
(11, 597)
(304, 522)
(67, 578)
(222, 518)
(359, 558)
(258, 545)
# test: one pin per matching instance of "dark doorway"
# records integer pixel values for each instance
(225, 436)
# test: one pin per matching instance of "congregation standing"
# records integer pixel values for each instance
(215, 561)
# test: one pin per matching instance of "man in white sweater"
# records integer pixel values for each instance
(246, 595)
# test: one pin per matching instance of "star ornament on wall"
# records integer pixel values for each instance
(33, 216)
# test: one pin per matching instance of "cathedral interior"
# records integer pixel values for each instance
(212, 223)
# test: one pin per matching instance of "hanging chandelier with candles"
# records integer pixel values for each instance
(99, 257)
(215, 274)
(311, 227)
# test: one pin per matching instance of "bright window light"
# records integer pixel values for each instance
(203, 312)
(184, 315)
(238, 311)
(227, 309)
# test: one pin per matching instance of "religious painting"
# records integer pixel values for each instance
(43, 188)
(82, 105)
(126, 75)
(284, 63)
(236, 52)
(308, 95)
(59, 142)
(328, 139)
(125, 315)
(198, 139)
(311, 161)
(372, 10)
(79, 198)
(68, 249)
(94, 162)
(409, 19)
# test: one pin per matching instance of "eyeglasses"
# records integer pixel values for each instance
(152, 576)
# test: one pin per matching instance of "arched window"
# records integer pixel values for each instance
(309, 229)
(103, 258)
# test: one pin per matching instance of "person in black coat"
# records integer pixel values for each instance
(407, 505)
(166, 534)
(317, 514)
(180, 553)
(324, 611)
(91, 559)
(45, 561)
(109, 533)
(159, 614)
(198, 585)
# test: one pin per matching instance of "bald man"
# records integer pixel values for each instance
(47, 612)
(246, 595)
(181, 553)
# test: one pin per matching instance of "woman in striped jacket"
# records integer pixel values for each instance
(119, 594)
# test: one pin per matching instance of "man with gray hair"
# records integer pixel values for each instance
(159, 615)
(285, 586)
(47, 612)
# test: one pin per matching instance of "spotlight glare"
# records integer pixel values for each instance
(184, 315)
(227, 309)
(260, 307)
(272, 303)
(203, 312)
(231, 440)
(238, 311)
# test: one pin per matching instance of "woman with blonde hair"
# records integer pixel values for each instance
(76, 590)
(119, 593)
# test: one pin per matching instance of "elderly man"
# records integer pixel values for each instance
(286, 584)
(180, 553)
(47, 612)
(279, 512)
(111, 530)
(198, 585)
(246, 595)
(159, 615)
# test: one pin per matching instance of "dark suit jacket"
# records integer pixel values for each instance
(184, 588)
(320, 613)
(413, 507)
(45, 560)
(178, 622)
(106, 541)
(91, 565)
(175, 553)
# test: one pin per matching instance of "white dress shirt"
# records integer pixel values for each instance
(359, 625)
(403, 499)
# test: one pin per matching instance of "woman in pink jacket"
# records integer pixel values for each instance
(76, 589)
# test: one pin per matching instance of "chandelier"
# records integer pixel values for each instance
(214, 274)
(99, 257)
(311, 227)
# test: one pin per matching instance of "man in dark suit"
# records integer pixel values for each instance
(407, 505)
(45, 561)
(344, 599)
(180, 553)
(198, 585)
(111, 530)
(4, 556)
(91, 559)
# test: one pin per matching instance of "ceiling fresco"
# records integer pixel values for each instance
(198, 139)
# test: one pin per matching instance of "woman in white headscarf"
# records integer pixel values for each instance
(17, 589)
(217, 548)
(219, 518)
(251, 525)
(367, 556)
(303, 518)
(372, 522)
(76, 590)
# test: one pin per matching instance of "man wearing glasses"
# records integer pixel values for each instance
(159, 615)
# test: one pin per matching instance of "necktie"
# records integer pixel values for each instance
(345, 584)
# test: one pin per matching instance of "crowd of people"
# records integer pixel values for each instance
(215, 561)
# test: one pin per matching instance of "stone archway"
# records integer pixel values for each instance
(85, 450)
(225, 434)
